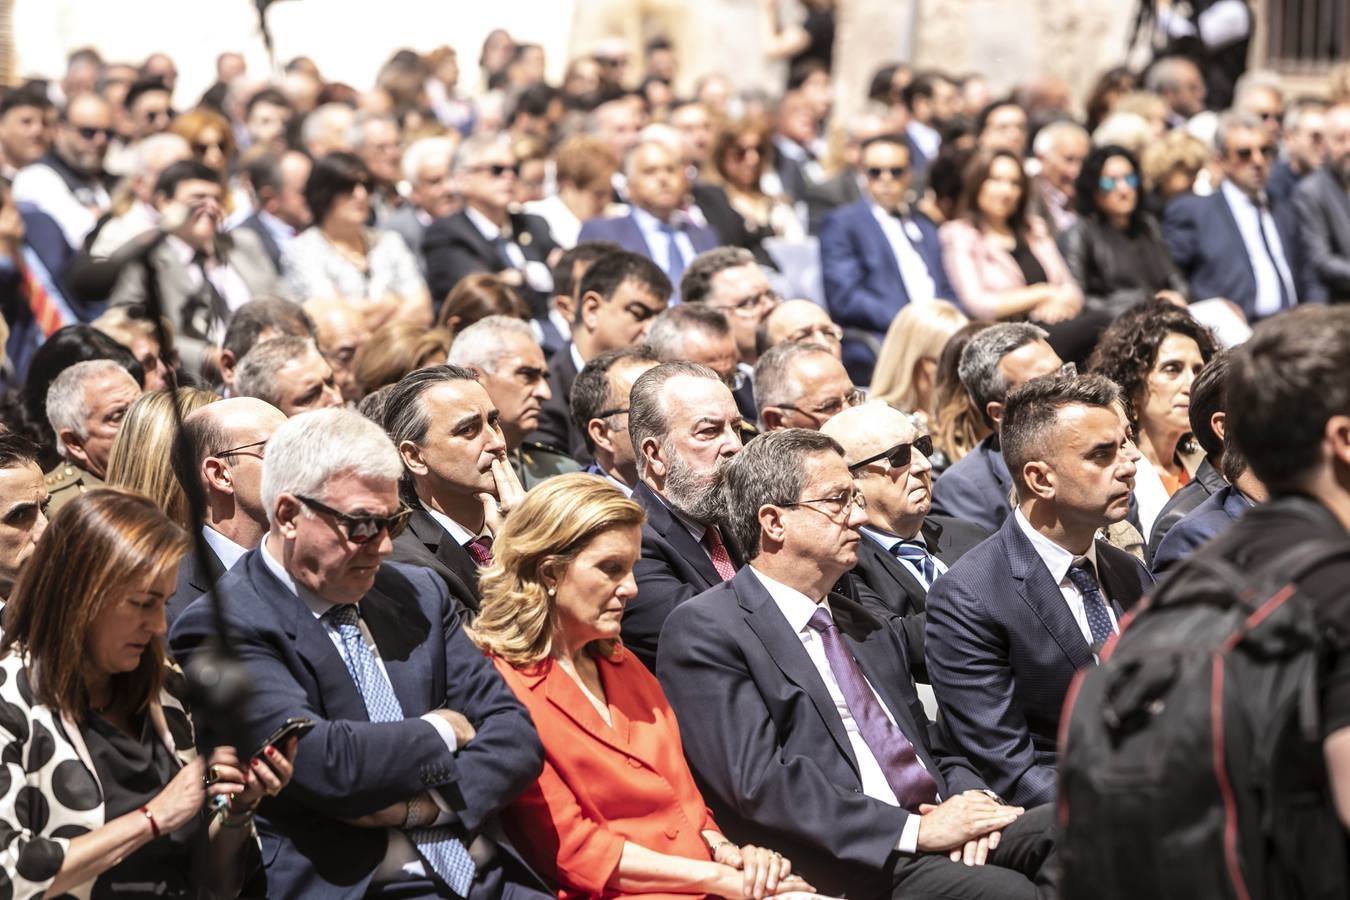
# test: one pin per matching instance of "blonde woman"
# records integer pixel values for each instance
(140, 459)
(906, 372)
(610, 814)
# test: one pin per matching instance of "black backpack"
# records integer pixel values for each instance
(1190, 760)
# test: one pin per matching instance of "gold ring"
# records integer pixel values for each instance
(212, 776)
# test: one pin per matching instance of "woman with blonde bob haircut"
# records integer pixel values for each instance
(906, 371)
(609, 815)
(111, 760)
(142, 453)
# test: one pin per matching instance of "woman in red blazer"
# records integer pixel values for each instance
(616, 812)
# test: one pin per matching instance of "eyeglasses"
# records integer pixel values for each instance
(497, 170)
(896, 172)
(741, 152)
(361, 529)
(1107, 185)
(830, 408)
(88, 132)
(836, 504)
(749, 306)
(899, 456)
(243, 450)
(608, 413)
(1246, 153)
(829, 332)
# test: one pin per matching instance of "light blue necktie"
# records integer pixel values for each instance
(439, 846)
(1099, 619)
(674, 258)
(916, 554)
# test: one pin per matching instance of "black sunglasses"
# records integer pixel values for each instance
(361, 529)
(899, 456)
(896, 172)
(497, 170)
(89, 132)
(1245, 153)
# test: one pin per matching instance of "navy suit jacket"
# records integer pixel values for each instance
(45, 238)
(673, 568)
(1002, 648)
(976, 488)
(766, 742)
(425, 543)
(557, 429)
(899, 593)
(1207, 521)
(1202, 238)
(1203, 483)
(863, 288)
(348, 766)
(624, 231)
(454, 247)
(195, 577)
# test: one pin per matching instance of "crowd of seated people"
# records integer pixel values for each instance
(607, 492)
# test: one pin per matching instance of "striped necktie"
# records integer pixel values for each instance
(916, 554)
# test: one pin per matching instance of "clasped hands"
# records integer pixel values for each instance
(762, 872)
(966, 826)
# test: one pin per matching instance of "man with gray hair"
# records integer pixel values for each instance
(1303, 148)
(508, 361)
(1060, 147)
(802, 385)
(457, 481)
(1237, 243)
(290, 373)
(327, 129)
(417, 743)
(683, 424)
(486, 235)
(978, 487)
(226, 444)
(375, 138)
(799, 716)
(431, 191)
(85, 406)
(1178, 81)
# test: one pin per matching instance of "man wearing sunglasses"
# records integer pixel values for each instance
(1238, 243)
(417, 743)
(226, 445)
(879, 254)
(903, 548)
(69, 182)
(486, 236)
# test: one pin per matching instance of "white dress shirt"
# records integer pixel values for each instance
(919, 284)
(226, 550)
(458, 533)
(228, 283)
(798, 609)
(1251, 222)
(1058, 560)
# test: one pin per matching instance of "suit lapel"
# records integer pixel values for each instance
(895, 571)
(786, 650)
(400, 630)
(664, 522)
(635, 237)
(1234, 234)
(454, 559)
(568, 698)
(1121, 584)
(485, 249)
(883, 250)
(1039, 591)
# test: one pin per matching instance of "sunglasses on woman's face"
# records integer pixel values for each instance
(1108, 184)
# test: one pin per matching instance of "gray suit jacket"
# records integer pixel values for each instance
(192, 310)
(1324, 213)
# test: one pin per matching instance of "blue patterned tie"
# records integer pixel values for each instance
(916, 554)
(438, 846)
(1099, 619)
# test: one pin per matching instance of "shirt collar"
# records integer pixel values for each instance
(795, 606)
(226, 550)
(889, 541)
(274, 226)
(1056, 558)
(650, 224)
(576, 356)
(1236, 197)
(484, 226)
(458, 532)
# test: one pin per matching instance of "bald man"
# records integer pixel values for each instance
(801, 320)
(227, 441)
(903, 548)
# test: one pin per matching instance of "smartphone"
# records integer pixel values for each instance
(294, 727)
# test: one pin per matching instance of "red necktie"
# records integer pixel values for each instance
(721, 559)
(45, 311)
(480, 548)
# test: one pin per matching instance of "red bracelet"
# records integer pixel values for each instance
(154, 828)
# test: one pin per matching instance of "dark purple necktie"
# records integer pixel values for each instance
(899, 763)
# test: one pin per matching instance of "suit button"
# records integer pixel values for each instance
(672, 833)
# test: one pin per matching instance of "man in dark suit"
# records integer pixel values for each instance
(903, 549)
(1236, 243)
(977, 488)
(486, 236)
(656, 225)
(799, 717)
(683, 423)
(279, 191)
(1323, 206)
(1016, 617)
(226, 444)
(417, 743)
(878, 254)
(458, 483)
(619, 295)
(1211, 518)
(34, 261)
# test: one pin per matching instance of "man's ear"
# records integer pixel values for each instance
(994, 410)
(74, 445)
(288, 512)
(598, 432)
(1218, 421)
(1039, 480)
(651, 458)
(1337, 437)
(772, 528)
(771, 418)
(412, 457)
(590, 309)
(217, 475)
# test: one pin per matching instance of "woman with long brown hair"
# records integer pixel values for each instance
(103, 793)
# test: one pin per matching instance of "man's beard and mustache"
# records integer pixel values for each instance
(694, 494)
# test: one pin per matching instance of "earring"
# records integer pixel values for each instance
(552, 592)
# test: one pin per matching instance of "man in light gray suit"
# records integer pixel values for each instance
(202, 275)
(1323, 205)
(426, 166)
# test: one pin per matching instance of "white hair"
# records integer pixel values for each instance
(424, 150)
(472, 148)
(1047, 136)
(356, 131)
(67, 402)
(329, 117)
(1253, 81)
(660, 133)
(312, 448)
(645, 141)
(1129, 130)
(155, 153)
(482, 345)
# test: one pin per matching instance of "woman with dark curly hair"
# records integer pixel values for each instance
(1154, 351)
(1115, 249)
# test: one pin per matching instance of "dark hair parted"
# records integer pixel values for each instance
(608, 273)
(696, 283)
(333, 175)
(1033, 408)
(96, 549)
(1128, 349)
(1284, 385)
(591, 394)
(769, 471)
(1209, 394)
(977, 172)
(1086, 185)
(16, 450)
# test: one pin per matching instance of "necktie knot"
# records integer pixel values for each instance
(341, 614)
(916, 554)
(1083, 574)
(821, 620)
(480, 548)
